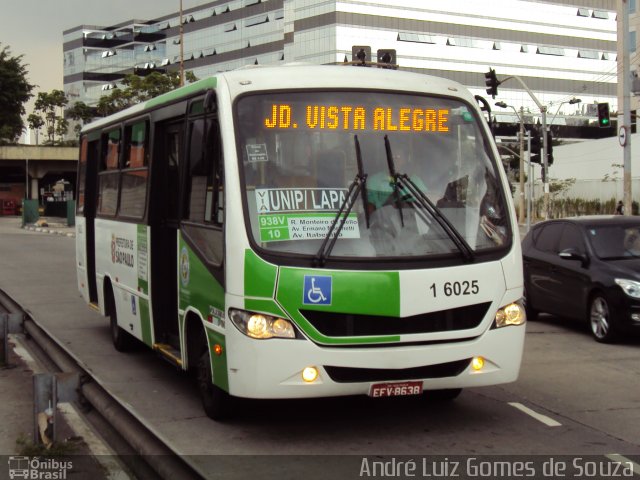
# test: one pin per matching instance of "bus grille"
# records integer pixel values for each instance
(441, 370)
(334, 324)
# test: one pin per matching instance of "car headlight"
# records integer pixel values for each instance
(261, 326)
(512, 314)
(630, 287)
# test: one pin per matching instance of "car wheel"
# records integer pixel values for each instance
(532, 314)
(217, 403)
(122, 341)
(446, 395)
(600, 319)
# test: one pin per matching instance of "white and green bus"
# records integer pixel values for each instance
(305, 231)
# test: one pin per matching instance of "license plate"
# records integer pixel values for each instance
(398, 389)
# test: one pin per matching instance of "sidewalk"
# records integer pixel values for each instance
(51, 225)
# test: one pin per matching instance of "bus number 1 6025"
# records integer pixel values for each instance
(449, 289)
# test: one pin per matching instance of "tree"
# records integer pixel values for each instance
(81, 113)
(49, 107)
(140, 89)
(35, 123)
(15, 91)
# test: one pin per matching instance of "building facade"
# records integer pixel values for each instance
(561, 50)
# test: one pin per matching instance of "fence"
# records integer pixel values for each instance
(584, 197)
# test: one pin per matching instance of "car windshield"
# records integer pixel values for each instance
(299, 157)
(615, 241)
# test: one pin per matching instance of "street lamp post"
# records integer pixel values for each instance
(520, 116)
(570, 102)
(543, 112)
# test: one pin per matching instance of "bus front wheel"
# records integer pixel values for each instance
(217, 403)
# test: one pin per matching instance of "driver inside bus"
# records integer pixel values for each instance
(380, 185)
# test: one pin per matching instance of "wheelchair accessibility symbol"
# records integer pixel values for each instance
(317, 290)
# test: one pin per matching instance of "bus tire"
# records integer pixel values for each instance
(217, 404)
(445, 395)
(122, 341)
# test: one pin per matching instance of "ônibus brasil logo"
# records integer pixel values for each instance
(36, 468)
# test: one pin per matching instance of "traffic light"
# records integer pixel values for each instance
(360, 53)
(603, 115)
(536, 146)
(491, 81)
(387, 56)
(549, 148)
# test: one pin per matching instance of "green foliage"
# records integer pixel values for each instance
(81, 113)
(15, 91)
(558, 187)
(28, 448)
(577, 207)
(140, 89)
(48, 108)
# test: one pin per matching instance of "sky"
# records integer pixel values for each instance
(33, 28)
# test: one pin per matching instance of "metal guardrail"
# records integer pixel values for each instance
(75, 383)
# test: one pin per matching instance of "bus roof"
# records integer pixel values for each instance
(301, 76)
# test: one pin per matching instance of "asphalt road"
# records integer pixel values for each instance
(574, 397)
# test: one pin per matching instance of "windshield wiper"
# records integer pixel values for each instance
(358, 186)
(394, 175)
(403, 181)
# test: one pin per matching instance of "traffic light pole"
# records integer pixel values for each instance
(626, 109)
(545, 165)
(530, 181)
(521, 202)
(545, 162)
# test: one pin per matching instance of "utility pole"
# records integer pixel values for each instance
(626, 108)
(181, 48)
(530, 182)
(521, 203)
(545, 162)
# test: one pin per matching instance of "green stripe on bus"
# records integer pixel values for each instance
(185, 91)
(145, 321)
(358, 293)
(259, 276)
(264, 306)
(219, 362)
(143, 260)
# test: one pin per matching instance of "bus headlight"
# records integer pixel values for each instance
(512, 314)
(259, 325)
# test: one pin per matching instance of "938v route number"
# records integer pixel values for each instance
(455, 289)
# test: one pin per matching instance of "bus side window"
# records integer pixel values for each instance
(204, 188)
(109, 176)
(133, 187)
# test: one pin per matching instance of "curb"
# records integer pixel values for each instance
(51, 231)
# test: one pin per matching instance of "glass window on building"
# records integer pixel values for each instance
(632, 41)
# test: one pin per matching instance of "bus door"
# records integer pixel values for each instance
(87, 196)
(164, 222)
(200, 267)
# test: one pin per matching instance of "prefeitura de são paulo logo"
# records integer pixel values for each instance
(184, 266)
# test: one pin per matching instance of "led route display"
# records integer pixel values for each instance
(353, 117)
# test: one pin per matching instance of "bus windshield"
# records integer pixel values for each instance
(299, 157)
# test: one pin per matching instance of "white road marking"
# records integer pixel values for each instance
(616, 457)
(550, 422)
